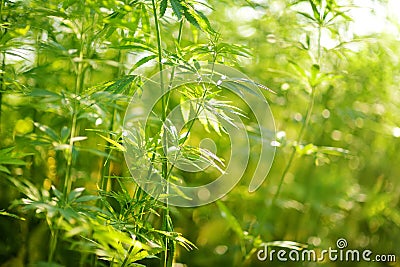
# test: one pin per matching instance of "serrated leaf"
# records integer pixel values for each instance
(307, 16)
(193, 18)
(4, 213)
(47, 130)
(177, 8)
(87, 198)
(163, 7)
(44, 93)
(317, 15)
(238, 87)
(142, 61)
(116, 144)
(77, 192)
(206, 21)
(56, 192)
(137, 46)
(118, 87)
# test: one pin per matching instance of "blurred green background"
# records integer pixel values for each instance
(343, 179)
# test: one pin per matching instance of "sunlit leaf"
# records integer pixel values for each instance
(48, 131)
(231, 220)
(177, 8)
(114, 143)
(5, 213)
(143, 61)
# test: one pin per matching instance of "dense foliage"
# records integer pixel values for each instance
(68, 70)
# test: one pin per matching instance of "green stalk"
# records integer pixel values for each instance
(299, 139)
(108, 151)
(159, 48)
(53, 240)
(53, 244)
(174, 68)
(161, 69)
(2, 87)
(75, 109)
(3, 63)
(74, 126)
(127, 257)
(85, 45)
(1, 99)
(169, 245)
(139, 192)
(197, 111)
(68, 180)
(106, 168)
(305, 123)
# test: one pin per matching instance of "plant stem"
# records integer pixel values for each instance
(79, 80)
(161, 69)
(1, 99)
(2, 87)
(53, 244)
(75, 109)
(127, 257)
(53, 239)
(79, 84)
(306, 122)
(171, 79)
(198, 110)
(140, 193)
(108, 151)
(169, 245)
(160, 63)
(3, 63)
(298, 141)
